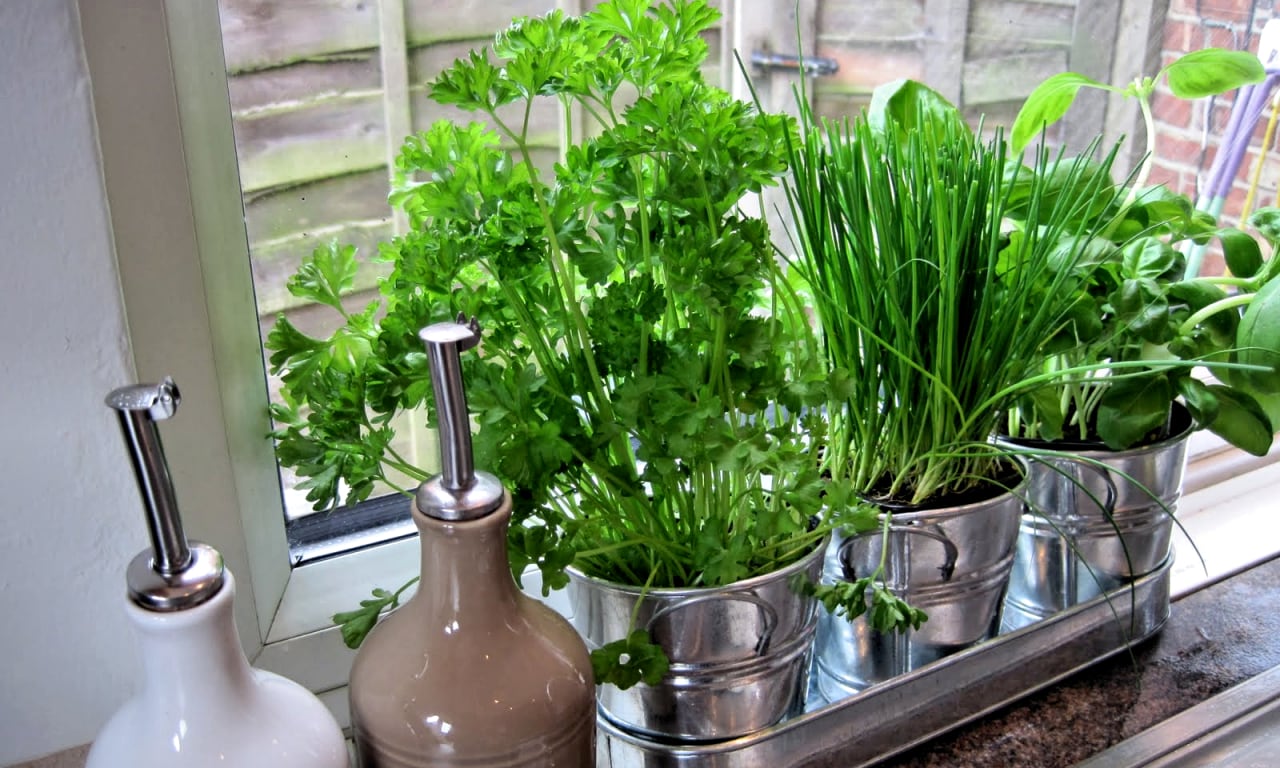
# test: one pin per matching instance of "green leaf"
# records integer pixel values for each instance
(1143, 311)
(326, 276)
(1042, 411)
(1149, 257)
(886, 612)
(1133, 408)
(1046, 105)
(1258, 341)
(1267, 222)
(356, 625)
(1199, 398)
(1242, 254)
(905, 106)
(631, 660)
(1211, 71)
(1241, 421)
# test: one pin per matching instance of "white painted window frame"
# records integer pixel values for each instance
(160, 94)
(168, 153)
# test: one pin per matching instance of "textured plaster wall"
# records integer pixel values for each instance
(69, 513)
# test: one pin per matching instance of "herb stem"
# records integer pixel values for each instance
(1202, 314)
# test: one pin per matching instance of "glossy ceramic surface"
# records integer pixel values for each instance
(201, 705)
(470, 671)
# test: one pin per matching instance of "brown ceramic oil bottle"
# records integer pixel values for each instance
(470, 671)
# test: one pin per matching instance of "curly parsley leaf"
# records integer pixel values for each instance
(631, 660)
(356, 625)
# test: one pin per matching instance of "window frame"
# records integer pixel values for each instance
(172, 185)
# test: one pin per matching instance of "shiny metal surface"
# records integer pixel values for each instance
(891, 717)
(1238, 728)
(459, 492)
(1095, 519)
(139, 407)
(197, 582)
(816, 66)
(953, 563)
(173, 574)
(740, 656)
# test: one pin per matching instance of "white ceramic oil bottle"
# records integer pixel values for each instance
(201, 704)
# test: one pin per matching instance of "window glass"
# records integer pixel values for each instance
(323, 93)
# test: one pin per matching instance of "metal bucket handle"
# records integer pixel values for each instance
(1109, 500)
(767, 613)
(947, 569)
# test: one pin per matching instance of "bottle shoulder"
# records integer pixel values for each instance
(280, 725)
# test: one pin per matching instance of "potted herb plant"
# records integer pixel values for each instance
(646, 373)
(1120, 398)
(931, 317)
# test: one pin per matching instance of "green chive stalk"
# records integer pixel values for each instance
(931, 310)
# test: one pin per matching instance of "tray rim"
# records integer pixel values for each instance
(1086, 619)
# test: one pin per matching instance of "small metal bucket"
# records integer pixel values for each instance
(740, 654)
(951, 562)
(1096, 520)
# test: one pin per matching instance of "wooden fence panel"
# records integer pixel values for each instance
(258, 34)
(311, 106)
(311, 141)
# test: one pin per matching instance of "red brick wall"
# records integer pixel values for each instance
(1182, 159)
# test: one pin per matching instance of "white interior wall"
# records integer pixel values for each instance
(71, 515)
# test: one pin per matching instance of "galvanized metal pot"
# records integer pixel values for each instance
(740, 654)
(1096, 519)
(951, 562)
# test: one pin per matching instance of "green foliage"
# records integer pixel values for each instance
(633, 659)
(355, 625)
(1259, 340)
(645, 364)
(930, 311)
(1113, 379)
(1200, 73)
(932, 314)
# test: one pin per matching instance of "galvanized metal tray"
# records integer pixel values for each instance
(893, 716)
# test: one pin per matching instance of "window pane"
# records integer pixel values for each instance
(323, 92)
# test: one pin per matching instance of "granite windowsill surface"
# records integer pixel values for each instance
(1216, 637)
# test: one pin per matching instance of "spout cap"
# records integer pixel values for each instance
(459, 492)
(175, 573)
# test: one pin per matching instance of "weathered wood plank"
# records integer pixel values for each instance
(838, 104)
(943, 49)
(1009, 78)
(429, 21)
(863, 67)
(1138, 50)
(871, 21)
(426, 62)
(303, 83)
(294, 211)
(1093, 48)
(332, 138)
(396, 106)
(265, 33)
(1006, 27)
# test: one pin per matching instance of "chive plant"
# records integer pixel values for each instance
(932, 314)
